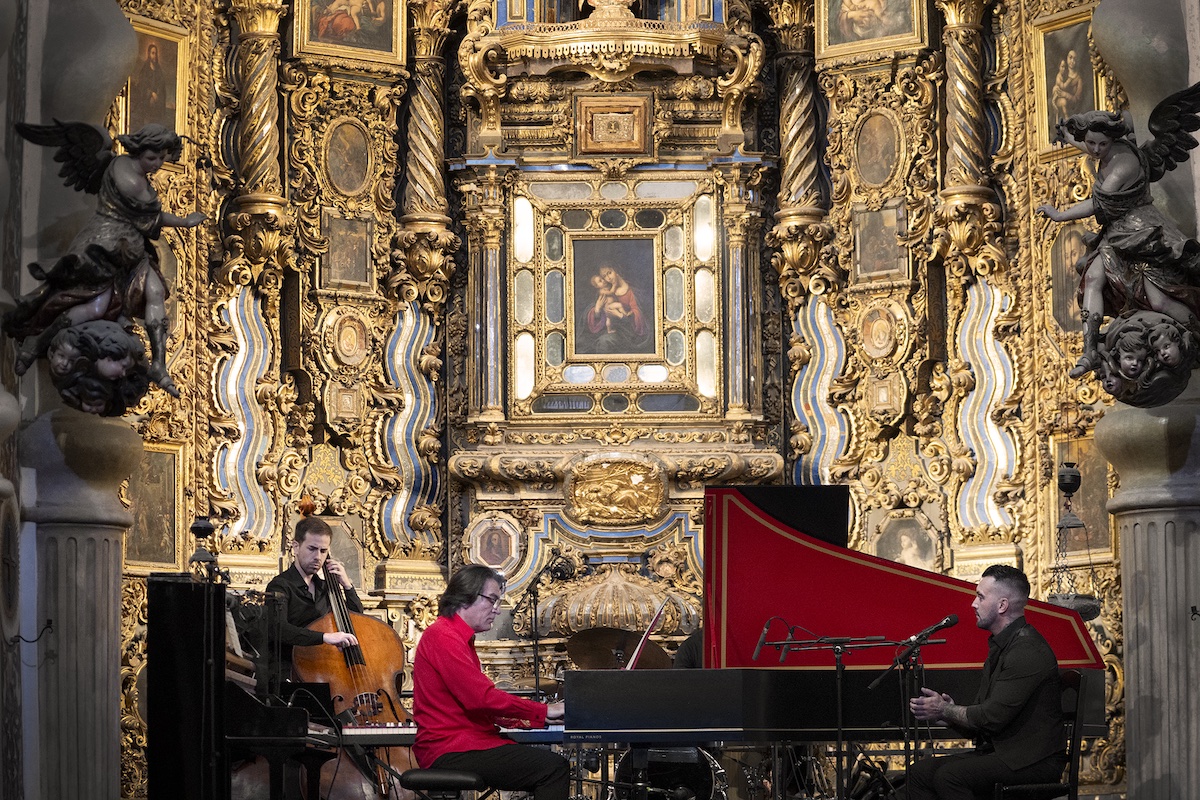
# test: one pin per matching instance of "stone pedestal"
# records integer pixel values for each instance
(1157, 453)
(77, 461)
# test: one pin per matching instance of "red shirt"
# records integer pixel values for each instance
(457, 707)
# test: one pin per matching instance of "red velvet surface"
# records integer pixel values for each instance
(756, 568)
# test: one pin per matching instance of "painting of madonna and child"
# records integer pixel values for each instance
(614, 297)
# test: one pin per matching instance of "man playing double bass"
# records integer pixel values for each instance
(303, 594)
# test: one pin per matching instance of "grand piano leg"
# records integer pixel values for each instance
(639, 764)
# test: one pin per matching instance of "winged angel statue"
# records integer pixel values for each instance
(1140, 269)
(79, 318)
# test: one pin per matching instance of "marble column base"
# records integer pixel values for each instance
(74, 464)
(1157, 454)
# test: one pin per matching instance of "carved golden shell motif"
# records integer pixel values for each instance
(616, 492)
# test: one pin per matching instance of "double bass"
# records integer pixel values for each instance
(364, 680)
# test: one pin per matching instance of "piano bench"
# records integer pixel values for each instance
(443, 784)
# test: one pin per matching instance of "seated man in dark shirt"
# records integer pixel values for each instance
(302, 593)
(1017, 715)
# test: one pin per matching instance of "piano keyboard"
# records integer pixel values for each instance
(403, 735)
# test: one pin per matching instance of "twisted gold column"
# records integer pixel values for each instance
(258, 247)
(967, 221)
(800, 229)
(426, 242)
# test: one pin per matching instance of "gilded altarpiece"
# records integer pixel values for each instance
(609, 341)
(609, 375)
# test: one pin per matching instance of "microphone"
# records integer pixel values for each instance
(948, 622)
(762, 639)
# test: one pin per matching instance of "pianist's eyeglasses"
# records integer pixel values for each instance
(495, 601)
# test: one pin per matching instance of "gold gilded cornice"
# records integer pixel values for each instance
(612, 50)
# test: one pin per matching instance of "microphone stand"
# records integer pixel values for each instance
(907, 661)
(840, 646)
(532, 592)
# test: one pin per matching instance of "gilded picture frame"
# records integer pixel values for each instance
(157, 89)
(613, 125)
(878, 251)
(1065, 252)
(346, 264)
(878, 148)
(865, 27)
(613, 296)
(907, 536)
(1064, 81)
(155, 493)
(349, 161)
(495, 540)
(365, 32)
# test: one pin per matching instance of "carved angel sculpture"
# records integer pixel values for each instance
(111, 270)
(1140, 260)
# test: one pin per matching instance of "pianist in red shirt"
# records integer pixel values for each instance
(457, 708)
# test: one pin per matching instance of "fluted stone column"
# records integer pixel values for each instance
(78, 462)
(1157, 509)
(741, 211)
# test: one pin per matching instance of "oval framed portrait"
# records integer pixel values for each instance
(348, 156)
(876, 148)
(350, 339)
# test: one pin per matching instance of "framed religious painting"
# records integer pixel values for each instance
(1065, 83)
(878, 251)
(157, 88)
(346, 264)
(907, 536)
(349, 163)
(1065, 253)
(857, 27)
(878, 148)
(495, 540)
(366, 32)
(155, 541)
(613, 298)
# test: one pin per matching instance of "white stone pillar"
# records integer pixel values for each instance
(77, 461)
(1156, 451)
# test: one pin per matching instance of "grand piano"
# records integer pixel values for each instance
(784, 601)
